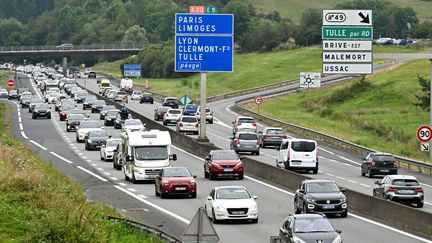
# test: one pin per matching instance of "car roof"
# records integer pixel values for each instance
(317, 180)
(309, 216)
(272, 128)
(245, 117)
(380, 153)
(228, 187)
(394, 177)
(298, 140)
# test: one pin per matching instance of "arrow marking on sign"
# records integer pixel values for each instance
(365, 19)
(425, 146)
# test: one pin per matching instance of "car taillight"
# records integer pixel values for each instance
(166, 114)
(181, 124)
(395, 165)
(258, 141)
(285, 136)
(196, 125)
(158, 113)
(419, 190)
(254, 124)
(238, 140)
(373, 163)
(238, 123)
(390, 188)
(265, 136)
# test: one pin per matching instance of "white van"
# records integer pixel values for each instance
(126, 83)
(145, 154)
(298, 154)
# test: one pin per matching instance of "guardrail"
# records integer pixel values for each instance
(146, 228)
(75, 48)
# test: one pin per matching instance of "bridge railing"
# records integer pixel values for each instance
(77, 47)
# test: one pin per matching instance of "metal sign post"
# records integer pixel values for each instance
(430, 105)
(203, 103)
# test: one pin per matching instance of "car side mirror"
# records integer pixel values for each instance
(173, 157)
(301, 191)
(207, 158)
(103, 146)
(194, 176)
(209, 198)
(255, 197)
(115, 150)
(129, 158)
(109, 136)
(376, 182)
(339, 231)
(232, 122)
(342, 189)
(241, 156)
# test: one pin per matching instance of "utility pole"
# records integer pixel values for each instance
(203, 103)
(430, 106)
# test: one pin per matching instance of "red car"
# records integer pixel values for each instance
(223, 163)
(64, 112)
(175, 181)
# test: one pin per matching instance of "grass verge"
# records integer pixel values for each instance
(377, 112)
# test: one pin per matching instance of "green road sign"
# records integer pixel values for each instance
(339, 32)
(210, 9)
(185, 100)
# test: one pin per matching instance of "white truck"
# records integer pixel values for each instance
(126, 83)
(145, 153)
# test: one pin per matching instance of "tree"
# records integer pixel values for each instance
(309, 30)
(424, 98)
(423, 30)
(135, 35)
(7, 28)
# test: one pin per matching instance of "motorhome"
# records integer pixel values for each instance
(145, 154)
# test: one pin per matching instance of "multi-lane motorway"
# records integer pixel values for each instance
(104, 184)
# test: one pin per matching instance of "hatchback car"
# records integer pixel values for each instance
(147, 97)
(118, 157)
(160, 112)
(175, 181)
(231, 203)
(188, 124)
(244, 123)
(209, 115)
(13, 94)
(172, 116)
(223, 163)
(320, 196)
(97, 106)
(25, 100)
(379, 164)
(120, 119)
(41, 110)
(245, 142)
(105, 109)
(136, 95)
(400, 188)
(120, 95)
(73, 121)
(111, 94)
(88, 102)
(171, 102)
(107, 150)
(271, 136)
(84, 128)
(133, 125)
(4, 93)
(65, 111)
(110, 117)
(65, 46)
(33, 102)
(80, 96)
(95, 139)
(301, 228)
(190, 110)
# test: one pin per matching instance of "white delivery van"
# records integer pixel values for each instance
(145, 154)
(298, 154)
(126, 83)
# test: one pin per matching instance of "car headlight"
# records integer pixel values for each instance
(310, 200)
(298, 240)
(337, 240)
(239, 164)
(216, 165)
(254, 207)
(220, 208)
(90, 141)
(192, 182)
(36, 111)
(343, 199)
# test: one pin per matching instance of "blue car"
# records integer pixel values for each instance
(190, 110)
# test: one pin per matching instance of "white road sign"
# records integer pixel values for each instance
(310, 80)
(347, 17)
(347, 57)
(352, 45)
(342, 68)
(424, 147)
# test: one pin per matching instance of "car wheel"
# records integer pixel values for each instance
(315, 171)
(206, 174)
(214, 220)
(114, 164)
(370, 175)
(374, 193)
(344, 214)
(77, 140)
(33, 117)
(254, 221)
(296, 210)
(257, 153)
(126, 177)
(165, 123)
(29, 111)
(156, 192)
(420, 204)
(211, 176)
(133, 180)
(162, 194)
(101, 157)
(49, 117)
(241, 176)
(118, 167)
(67, 129)
(87, 147)
(211, 121)
(194, 194)
(362, 173)
(304, 211)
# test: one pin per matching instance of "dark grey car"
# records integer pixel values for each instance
(33, 102)
(73, 121)
(88, 102)
(308, 228)
(379, 164)
(110, 117)
(97, 106)
(105, 109)
(41, 110)
(95, 139)
(245, 142)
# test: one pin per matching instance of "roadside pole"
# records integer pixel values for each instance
(430, 106)
(203, 104)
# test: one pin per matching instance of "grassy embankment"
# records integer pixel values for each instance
(377, 113)
(39, 204)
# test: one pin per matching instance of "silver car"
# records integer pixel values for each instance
(400, 188)
(244, 123)
(245, 142)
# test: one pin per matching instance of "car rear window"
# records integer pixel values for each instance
(303, 146)
(174, 112)
(274, 131)
(189, 119)
(89, 125)
(248, 136)
(405, 182)
(246, 120)
(383, 158)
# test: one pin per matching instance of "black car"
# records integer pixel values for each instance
(146, 97)
(33, 102)
(41, 110)
(160, 112)
(110, 117)
(21, 90)
(68, 88)
(95, 139)
(118, 156)
(320, 196)
(105, 109)
(379, 164)
(171, 102)
(88, 102)
(80, 96)
(92, 75)
(99, 79)
(308, 228)
(13, 94)
(25, 100)
(97, 106)
(120, 119)
(73, 121)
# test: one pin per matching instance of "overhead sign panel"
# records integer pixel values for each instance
(342, 68)
(204, 53)
(336, 45)
(349, 57)
(132, 70)
(347, 17)
(220, 24)
(310, 80)
(342, 32)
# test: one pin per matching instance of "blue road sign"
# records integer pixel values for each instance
(220, 24)
(132, 70)
(204, 53)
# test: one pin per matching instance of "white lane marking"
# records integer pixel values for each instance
(91, 173)
(19, 119)
(89, 161)
(340, 177)
(24, 135)
(347, 164)
(132, 190)
(329, 174)
(332, 160)
(107, 173)
(74, 147)
(19, 113)
(18, 109)
(228, 108)
(40, 146)
(62, 158)
(425, 184)
(364, 185)
(153, 205)
(355, 182)
(217, 136)
(320, 171)
(77, 150)
(114, 179)
(99, 169)
(122, 184)
(268, 185)
(84, 157)
(390, 228)
(325, 150)
(94, 164)
(143, 196)
(217, 121)
(21, 127)
(352, 161)
(427, 203)
(80, 154)
(269, 155)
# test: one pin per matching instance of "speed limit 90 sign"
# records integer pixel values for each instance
(424, 134)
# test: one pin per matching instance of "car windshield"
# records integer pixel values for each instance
(112, 143)
(189, 119)
(105, 84)
(383, 158)
(246, 120)
(225, 155)
(89, 125)
(26, 97)
(323, 187)
(147, 94)
(303, 146)
(133, 122)
(41, 106)
(232, 193)
(76, 117)
(163, 109)
(274, 131)
(174, 112)
(90, 98)
(37, 101)
(176, 172)
(98, 134)
(53, 94)
(191, 107)
(137, 93)
(248, 136)
(151, 153)
(170, 100)
(312, 225)
(405, 182)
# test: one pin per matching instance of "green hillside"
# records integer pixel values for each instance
(293, 9)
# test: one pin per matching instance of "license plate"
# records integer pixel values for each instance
(296, 163)
(228, 170)
(384, 170)
(405, 191)
(180, 188)
(237, 212)
(328, 206)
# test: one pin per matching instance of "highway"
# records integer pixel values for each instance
(104, 184)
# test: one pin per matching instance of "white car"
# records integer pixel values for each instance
(188, 124)
(136, 95)
(231, 203)
(172, 116)
(107, 150)
(112, 94)
(85, 127)
(209, 115)
(53, 97)
(120, 95)
(133, 125)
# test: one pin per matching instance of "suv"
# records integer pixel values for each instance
(160, 112)
(84, 128)
(245, 142)
(379, 164)
(320, 196)
(171, 116)
(308, 228)
(146, 97)
(271, 136)
(41, 110)
(244, 123)
(400, 188)
(95, 139)
(171, 102)
(65, 46)
(88, 102)
(223, 163)
(209, 115)
(188, 124)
